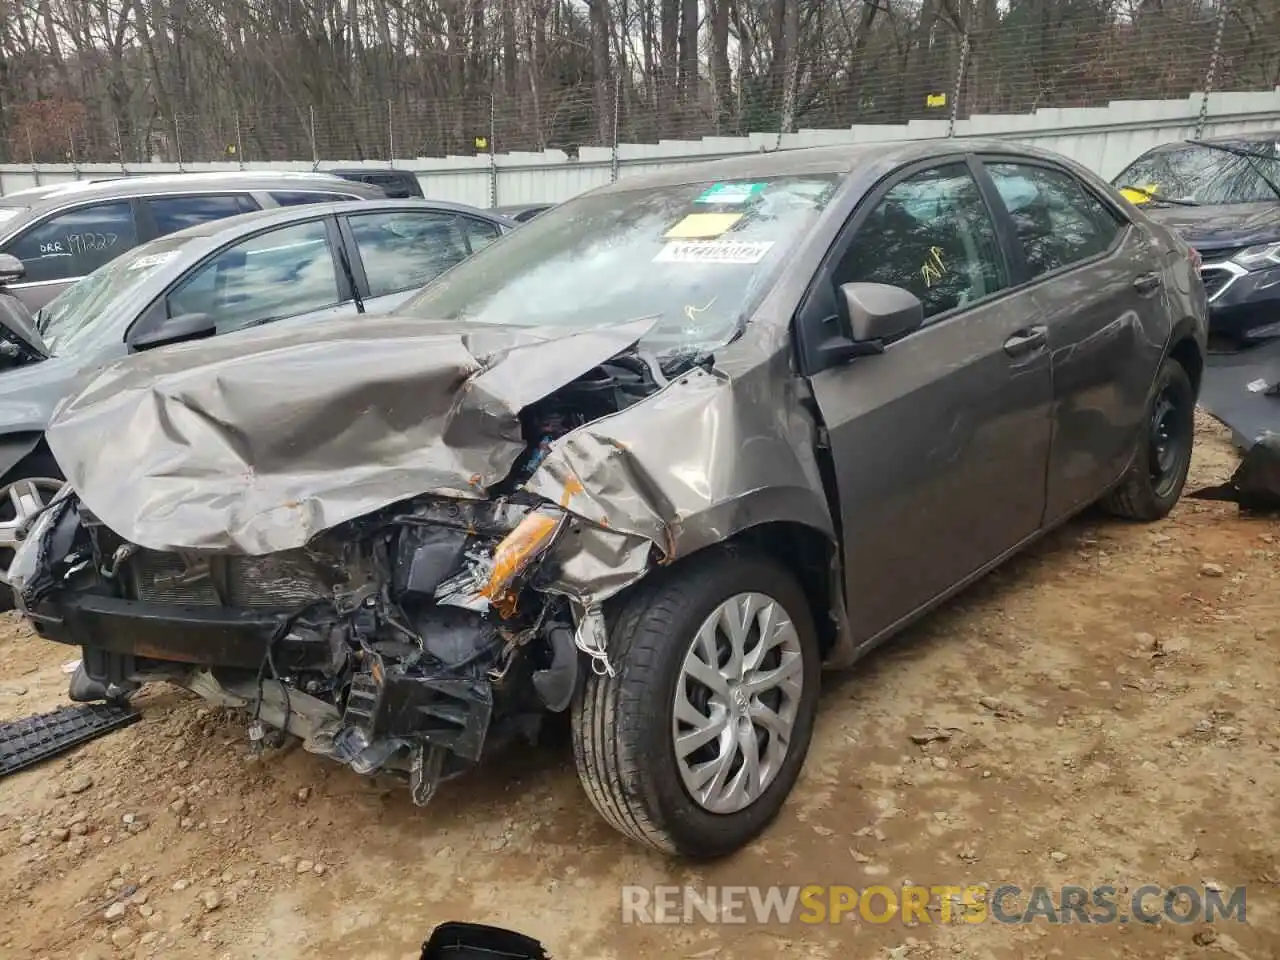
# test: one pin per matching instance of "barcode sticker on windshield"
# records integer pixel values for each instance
(713, 251)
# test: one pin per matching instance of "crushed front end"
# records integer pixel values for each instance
(410, 640)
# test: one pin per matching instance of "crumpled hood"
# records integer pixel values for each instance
(257, 441)
(1229, 225)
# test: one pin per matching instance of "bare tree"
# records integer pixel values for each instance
(124, 80)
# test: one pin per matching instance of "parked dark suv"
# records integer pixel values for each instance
(62, 232)
(397, 184)
(1223, 196)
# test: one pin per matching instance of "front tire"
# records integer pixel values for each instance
(1155, 478)
(695, 743)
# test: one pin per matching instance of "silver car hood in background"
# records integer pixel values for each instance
(257, 441)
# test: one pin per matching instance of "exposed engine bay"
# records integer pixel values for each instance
(410, 640)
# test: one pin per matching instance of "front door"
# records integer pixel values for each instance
(940, 444)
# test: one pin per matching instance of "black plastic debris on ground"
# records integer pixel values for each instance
(476, 941)
(26, 742)
(1255, 486)
(1242, 390)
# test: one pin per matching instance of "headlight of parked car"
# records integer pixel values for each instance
(1262, 255)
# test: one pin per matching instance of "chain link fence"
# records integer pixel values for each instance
(948, 73)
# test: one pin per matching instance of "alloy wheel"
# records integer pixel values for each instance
(736, 702)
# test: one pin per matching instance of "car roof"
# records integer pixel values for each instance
(840, 160)
(129, 186)
(1270, 136)
(281, 215)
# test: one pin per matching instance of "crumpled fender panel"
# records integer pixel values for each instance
(257, 441)
(710, 455)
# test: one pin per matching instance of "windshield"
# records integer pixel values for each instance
(71, 316)
(697, 257)
(1204, 175)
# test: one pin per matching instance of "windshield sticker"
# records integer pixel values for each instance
(933, 268)
(713, 251)
(732, 193)
(691, 312)
(1139, 195)
(701, 226)
(152, 260)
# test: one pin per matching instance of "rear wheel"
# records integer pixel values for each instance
(695, 744)
(29, 488)
(1158, 472)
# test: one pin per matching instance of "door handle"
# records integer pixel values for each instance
(1025, 341)
(1147, 283)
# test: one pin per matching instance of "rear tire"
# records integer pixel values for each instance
(629, 735)
(1155, 478)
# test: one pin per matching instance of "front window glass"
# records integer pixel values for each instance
(696, 256)
(70, 318)
(933, 235)
(1204, 175)
(73, 244)
(278, 274)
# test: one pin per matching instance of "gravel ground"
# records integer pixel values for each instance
(1109, 703)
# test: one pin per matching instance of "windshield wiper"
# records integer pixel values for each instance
(1249, 157)
(1159, 197)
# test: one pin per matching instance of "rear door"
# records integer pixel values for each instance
(396, 252)
(939, 444)
(1097, 291)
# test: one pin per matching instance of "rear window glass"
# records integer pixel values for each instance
(172, 214)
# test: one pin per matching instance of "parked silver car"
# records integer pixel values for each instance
(297, 265)
(655, 458)
(62, 232)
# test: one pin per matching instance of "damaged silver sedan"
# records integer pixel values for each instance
(655, 459)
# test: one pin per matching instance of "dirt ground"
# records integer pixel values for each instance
(1112, 701)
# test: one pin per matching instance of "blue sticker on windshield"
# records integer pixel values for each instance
(734, 193)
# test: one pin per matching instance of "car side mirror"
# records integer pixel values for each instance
(877, 312)
(11, 268)
(179, 329)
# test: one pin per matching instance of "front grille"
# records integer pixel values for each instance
(1214, 254)
(1215, 280)
(277, 581)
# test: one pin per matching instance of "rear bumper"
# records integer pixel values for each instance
(199, 636)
